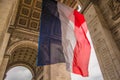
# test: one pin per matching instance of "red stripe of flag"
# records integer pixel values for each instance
(82, 48)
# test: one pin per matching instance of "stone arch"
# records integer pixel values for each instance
(24, 43)
(23, 53)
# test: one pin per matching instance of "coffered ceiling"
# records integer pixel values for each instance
(24, 55)
(28, 15)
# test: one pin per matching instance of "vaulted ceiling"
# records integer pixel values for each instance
(24, 54)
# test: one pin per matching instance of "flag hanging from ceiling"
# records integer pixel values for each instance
(63, 38)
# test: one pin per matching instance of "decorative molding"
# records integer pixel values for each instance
(115, 30)
(17, 36)
(24, 43)
(115, 8)
(104, 53)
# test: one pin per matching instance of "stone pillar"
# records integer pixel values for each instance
(3, 67)
(3, 46)
(46, 72)
(7, 9)
(105, 47)
(56, 72)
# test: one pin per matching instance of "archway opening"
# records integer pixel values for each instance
(19, 73)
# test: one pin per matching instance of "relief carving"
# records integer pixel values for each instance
(104, 54)
(115, 30)
(115, 8)
(19, 36)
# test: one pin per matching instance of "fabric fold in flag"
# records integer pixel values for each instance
(63, 38)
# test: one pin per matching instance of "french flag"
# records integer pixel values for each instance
(63, 38)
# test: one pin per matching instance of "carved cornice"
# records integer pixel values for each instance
(22, 34)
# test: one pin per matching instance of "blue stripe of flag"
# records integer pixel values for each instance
(50, 46)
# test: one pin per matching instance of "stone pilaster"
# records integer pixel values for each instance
(3, 46)
(3, 67)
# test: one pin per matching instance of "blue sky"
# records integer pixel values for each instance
(18, 73)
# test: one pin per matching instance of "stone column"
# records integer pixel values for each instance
(7, 9)
(56, 72)
(105, 47)
(3, 67)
